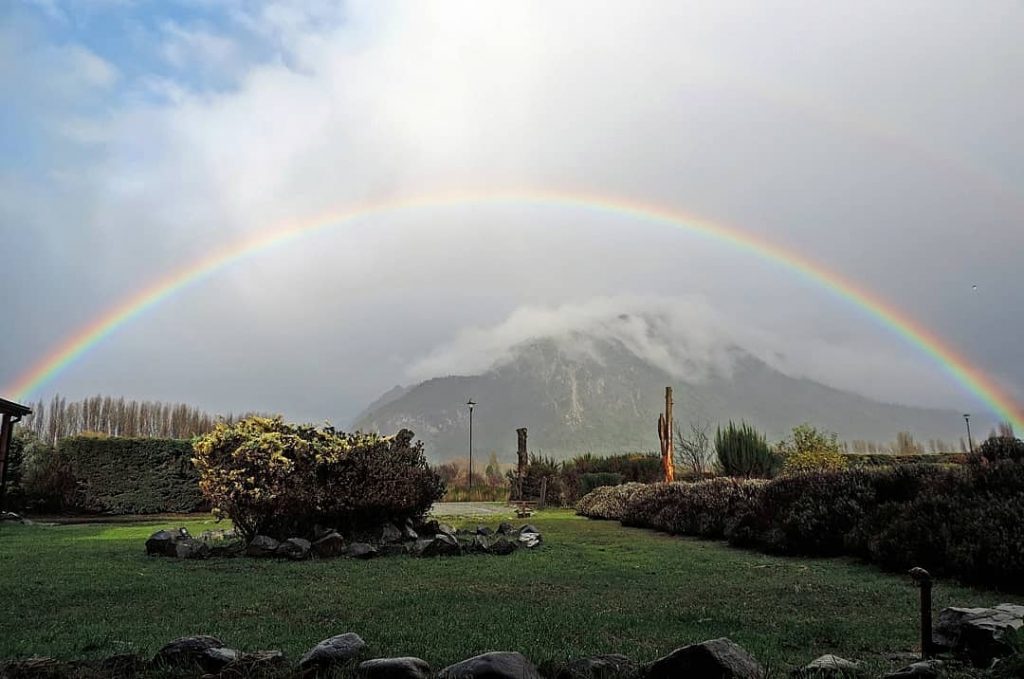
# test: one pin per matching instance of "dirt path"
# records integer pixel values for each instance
(469, 508)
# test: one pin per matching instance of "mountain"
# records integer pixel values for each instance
(596, 395)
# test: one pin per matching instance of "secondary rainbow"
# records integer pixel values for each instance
(88, 336)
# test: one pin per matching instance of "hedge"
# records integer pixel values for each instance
(131, 475)
(887, 459)
(965, 521)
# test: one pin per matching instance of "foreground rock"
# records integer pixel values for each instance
(262, 547)
(395, 668)
(498, 665)
(828, 666)
(295, 549)
(360, 550)
(924, 669)
(607, 666)
(337, 650)
(202, 651)
(979, 634)
(715, 659)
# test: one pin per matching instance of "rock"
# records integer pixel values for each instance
(255, 664)
(480, 545)
(329, 545)
(924, 669)
(503, 546)
(504, 528)
(607, 666)
(498, 665)
(227, 548)
(827, 665)
(484, 530)
(409, 531)
(717, 658)
(295, 549)
(431, 527)
(529, 540)
(161, 543)
(11, 517)
(393, 550)
(445, 529)
(395, 668)
(419, 546)
(36, 667)
(190, 548)
(186, 652)
(979, 634)
(215, 659)
(262, 546)
(442, 545)
(337, 650)
(360, 550)
(528, 528)
(389, 534)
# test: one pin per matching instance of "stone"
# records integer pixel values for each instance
(503, 546)
(528, 528)
(295, 549)
(262, 546)
(409, 531)
(190, 548)
(445, 529)
(442, 545)
(329, 545)
(395, 668)
(480, 545)
(606, 666)
(827, 665)
(484, 530)
(227, 548)
(497, 665)
(37, 667)
(360, 550)
(12, 517)
(215, 659)
(393, 550)
(504, 528)
(121, 665)
(161, 543)
(529, 540)
(255, 664)
(186, 652)
(717, 658)
(389, 534)
(337, 650)
(979, 634)
(431, 527)
(924, 669)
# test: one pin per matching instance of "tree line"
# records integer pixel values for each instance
(110, 416)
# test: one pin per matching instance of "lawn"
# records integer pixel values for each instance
(594, 587)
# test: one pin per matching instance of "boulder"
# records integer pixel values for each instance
(528, 528)
(262, 546)
(979, 634)
(503, 546)
(337, 650)
(483, 530)
(504, 528)
(924, 669)
(606, 666)
(393, 550)
(295, 549)
(409, 531)
(480, 545)
(187, 652)
(714, 659)
(329, 545)
(497, 665)
(190, 548)
(529, 540)
(395, 668)
(255, 664)
(230, 547)
(445, 529)
(431, 527)
(162, 543)
(37, 667)
(215, 659)
(442, 545)
(389, 534)
(360, 550)
(120, 665)
(827, 666)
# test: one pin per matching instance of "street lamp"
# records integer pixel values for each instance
(970, 443)
(470, 403)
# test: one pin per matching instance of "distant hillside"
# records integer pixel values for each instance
(606, 399)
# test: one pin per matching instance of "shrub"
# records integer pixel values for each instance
(809, 450)
(997, 448)
(630, 467)
(608, 502)
(124, 475)
(281, 480)
(703, 508)
(743, 452)
(589, 482)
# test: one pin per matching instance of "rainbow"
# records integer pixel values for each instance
(88, 336)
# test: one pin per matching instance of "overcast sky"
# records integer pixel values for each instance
(882, 140)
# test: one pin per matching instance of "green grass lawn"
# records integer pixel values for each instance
(83, 591)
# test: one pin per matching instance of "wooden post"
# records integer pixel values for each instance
(665, 436)
(924, 580)
(522, 459)
(543, 493)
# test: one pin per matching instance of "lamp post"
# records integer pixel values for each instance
(970, 443)
(470, 403)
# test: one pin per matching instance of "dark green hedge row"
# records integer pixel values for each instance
(885, 460)
(965, 521)
(130, 475)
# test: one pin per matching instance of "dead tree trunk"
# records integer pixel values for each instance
(523, 460)
(665, 435)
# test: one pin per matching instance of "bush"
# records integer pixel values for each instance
(704, 508)
(281, 480)
(122, 475)
(589, 482)
(743, 452)
(608, 502)
(997, 448)
(809, 450)
(630, 467)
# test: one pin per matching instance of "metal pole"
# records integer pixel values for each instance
(970, 443)
(470, 403)
(924, 580)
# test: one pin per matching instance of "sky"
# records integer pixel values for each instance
(879, 140)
